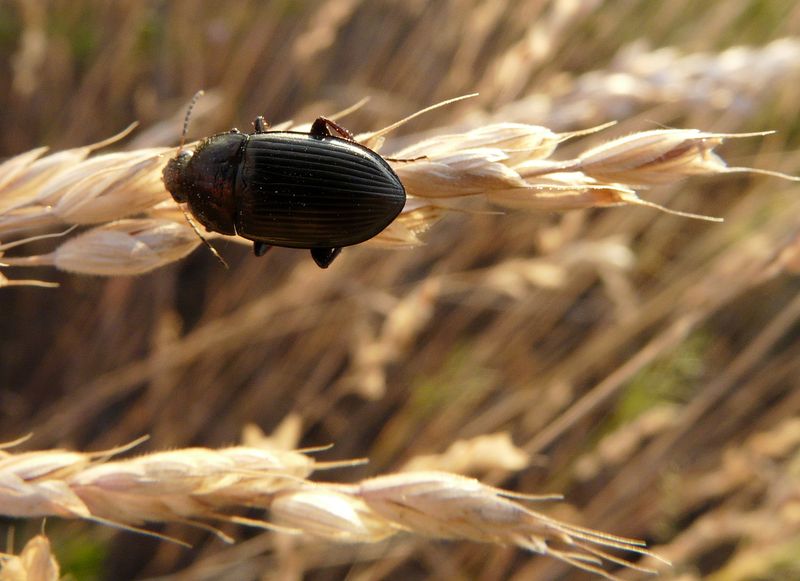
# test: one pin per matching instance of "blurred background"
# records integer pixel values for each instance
(644, 365)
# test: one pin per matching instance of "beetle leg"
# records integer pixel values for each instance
(324, 256)
(260, 124)
(322, 127)
(260, 248)
(406, 159)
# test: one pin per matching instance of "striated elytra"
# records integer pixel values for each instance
(311, 190)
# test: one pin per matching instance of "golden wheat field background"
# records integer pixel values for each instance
(644, 365)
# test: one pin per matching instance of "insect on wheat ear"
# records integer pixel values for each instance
(319, 190)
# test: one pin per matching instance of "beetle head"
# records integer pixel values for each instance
(174, 176)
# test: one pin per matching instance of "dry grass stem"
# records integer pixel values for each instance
(620, 445)
(764, 466)
(196, 485)
(505, 163)
(374, 351)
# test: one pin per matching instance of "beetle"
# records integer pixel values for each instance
(318, 190)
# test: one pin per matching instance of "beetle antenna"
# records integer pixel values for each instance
(192, 103)
(206, 242)
(188, 116)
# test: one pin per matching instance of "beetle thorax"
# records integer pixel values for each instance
(206, 180)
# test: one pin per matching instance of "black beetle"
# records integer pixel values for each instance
(311, 190)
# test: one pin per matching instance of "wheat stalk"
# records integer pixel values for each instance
(133, 226)
(201, 485)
